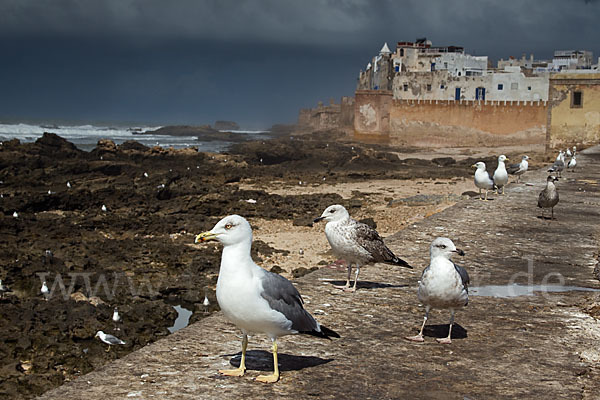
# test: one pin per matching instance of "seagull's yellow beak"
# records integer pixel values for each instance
(474, 166)
(507, 159)
(205, 237)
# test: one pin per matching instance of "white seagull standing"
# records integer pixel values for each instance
(69, 185)
(45, 291)
(483, 180)
(104, 209)
(500, 175)
(442, 285)
(559, 164)
(519, 169)
(572, 164)
(254, 299)
(110, 340)
(355, 242)
(116, 318)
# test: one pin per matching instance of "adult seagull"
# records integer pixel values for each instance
(483, 180)
(443, 284)
(355, 242)
(519, 169)
(254, 299)
(500, 175)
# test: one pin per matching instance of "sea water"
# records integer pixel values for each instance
(85, 137)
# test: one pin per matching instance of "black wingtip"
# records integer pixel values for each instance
(401, 263)
(324, 333)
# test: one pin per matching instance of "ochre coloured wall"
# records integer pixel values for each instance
(571, 125)
(496, 118)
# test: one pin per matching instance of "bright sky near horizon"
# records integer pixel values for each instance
(256, 62)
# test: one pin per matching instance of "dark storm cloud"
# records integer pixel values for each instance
(194, 61)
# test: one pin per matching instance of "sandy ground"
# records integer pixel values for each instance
(308, 246)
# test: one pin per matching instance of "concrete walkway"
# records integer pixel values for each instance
(542, 346)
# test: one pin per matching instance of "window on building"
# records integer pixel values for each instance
(514, 86)
(401, 52)
(446, 65)
(442, 86)
(576, 99)
(405, 87)
(397, 68)
(528, 87)
(500, 86)
(429, 88)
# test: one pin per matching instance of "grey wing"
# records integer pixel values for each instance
(284, 297)
(491, 176)
(464, 276)
(513, 168)
(369, 239)
(113, 340)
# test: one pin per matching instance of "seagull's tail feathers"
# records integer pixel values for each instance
(323, 332)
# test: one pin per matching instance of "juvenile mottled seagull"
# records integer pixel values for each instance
(110, 340)
(355, 242)
(519, 169)
(500, 175)
(559, 164)
(572, 163)
(549, 196)
(442, 285)
(254, 299)
(45, 291)
(483, 180)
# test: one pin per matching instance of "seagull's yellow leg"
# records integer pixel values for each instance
(275, 376)
(242, 368)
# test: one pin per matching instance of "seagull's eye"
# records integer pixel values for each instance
(228, 226)
(442, 246)
(332, 211)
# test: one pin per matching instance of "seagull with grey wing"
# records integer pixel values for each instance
(548, 197)
(254, 299)
(442, 285)
(354, 242)
(519, 169)
(483, 179)
(559, 164)
(110, 340)
(500, 175)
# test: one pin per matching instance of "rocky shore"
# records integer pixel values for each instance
(139, 255)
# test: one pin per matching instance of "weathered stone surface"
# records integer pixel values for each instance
(541, 346)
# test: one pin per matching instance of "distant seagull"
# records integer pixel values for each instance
(206, 303)
(16, 214)
(572, 163)
(103, 208)
(500, 175)
(3, 289)
(49, 253)
(116, 318)
(574, 150)
(569, 154)
(49, 192)
(442, 285)
(69, 185)
(559, 164)
(145, 174)
(254, 299)
(355, 242)
(519, 169)
(549, 196)
(45, 291)
(483, 180)
(110, 340)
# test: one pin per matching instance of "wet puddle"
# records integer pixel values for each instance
(524, 290)
(183, 318)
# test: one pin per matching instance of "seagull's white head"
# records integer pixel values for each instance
(444, 247)
(99, 334)
(335, 212)
(525, 158)
(502, 158)
(479, 165)
(232, 229)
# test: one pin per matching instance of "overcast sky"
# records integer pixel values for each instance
(250, 61)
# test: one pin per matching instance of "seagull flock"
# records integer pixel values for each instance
(260, 301)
